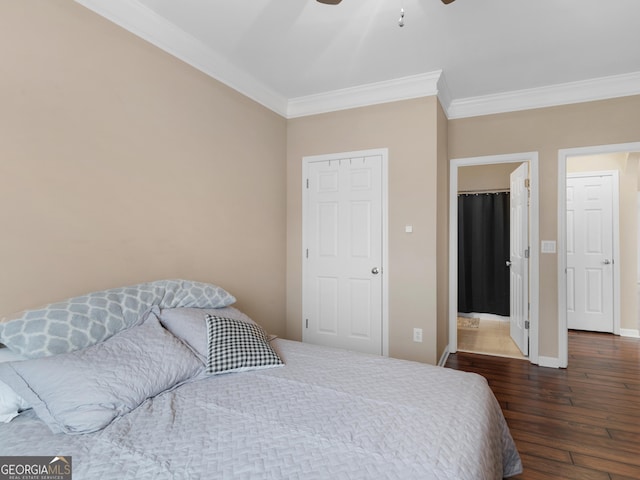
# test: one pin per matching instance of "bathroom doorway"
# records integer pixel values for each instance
(485, 331)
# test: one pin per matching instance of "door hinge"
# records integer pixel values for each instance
(307, 253)
(526, 324)
(526, 252)
(306, 323)
(527, 183)
(307, 183)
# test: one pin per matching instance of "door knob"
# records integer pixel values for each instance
(375, 270)
(508, 263)
(607, 261)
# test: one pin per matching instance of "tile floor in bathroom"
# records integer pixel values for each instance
(490, 337)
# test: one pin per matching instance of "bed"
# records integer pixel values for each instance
(169, 395)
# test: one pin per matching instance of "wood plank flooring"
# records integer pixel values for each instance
(582, 422)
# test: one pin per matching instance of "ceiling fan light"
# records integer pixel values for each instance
(329, 2)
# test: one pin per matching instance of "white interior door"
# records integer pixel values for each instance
(590, 252)
(342, 284)
(519, 258)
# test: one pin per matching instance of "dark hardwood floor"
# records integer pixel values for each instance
(582, 422)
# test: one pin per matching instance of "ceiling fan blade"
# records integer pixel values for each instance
(332, 2)
(447, 2)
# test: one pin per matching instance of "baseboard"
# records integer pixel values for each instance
(444, 357)
(629, 332)
(550, 362)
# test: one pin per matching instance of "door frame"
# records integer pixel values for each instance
(532, 159)
(384, 153)
(615, 241)
(563, 155)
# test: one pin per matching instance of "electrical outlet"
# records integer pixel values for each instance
(417, 335)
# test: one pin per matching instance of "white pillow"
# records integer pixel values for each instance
(11, 404)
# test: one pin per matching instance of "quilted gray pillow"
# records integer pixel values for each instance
(11, 404)
(190, 324)
(237, 346)
(82, 321)
(84, 391)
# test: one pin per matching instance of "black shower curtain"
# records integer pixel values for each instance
(483, 249)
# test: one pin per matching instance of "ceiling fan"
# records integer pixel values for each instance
(335, 2)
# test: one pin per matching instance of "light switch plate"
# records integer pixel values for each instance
(548, 246)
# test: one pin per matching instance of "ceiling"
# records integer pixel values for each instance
(492, 55)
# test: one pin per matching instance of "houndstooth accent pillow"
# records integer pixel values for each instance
(236, 346)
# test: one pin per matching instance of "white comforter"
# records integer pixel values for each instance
(327, 414)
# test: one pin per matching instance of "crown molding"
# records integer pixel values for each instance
(414, 86)
(444, 94)
(561, 94)
(148, 25)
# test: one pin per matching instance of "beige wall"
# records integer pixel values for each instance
(121, 164)
(485, 177)
(410, 130)
(442, 236)
(546, 131)
(627, 168)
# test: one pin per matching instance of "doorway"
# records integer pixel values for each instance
(623, 264)
(485, 274)
(530, 158)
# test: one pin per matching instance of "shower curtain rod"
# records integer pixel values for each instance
(487, 190)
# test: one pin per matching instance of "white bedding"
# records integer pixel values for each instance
(326, 414)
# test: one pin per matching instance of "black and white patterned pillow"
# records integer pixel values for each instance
(236, 346)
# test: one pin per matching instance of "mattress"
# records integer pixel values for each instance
(327, 413)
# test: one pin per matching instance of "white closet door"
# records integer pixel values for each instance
(342, 291)
(590, 252)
